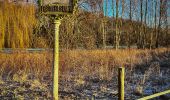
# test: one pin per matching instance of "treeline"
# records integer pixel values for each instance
(141, 23)
(96, 24)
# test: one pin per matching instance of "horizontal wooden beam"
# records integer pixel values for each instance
(155, 95)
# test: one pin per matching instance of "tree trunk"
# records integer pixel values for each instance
(117, 31)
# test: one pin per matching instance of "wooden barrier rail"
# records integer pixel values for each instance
(155, 95)
(121, 76)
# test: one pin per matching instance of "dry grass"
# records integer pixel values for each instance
(23, 62)
(104, 62)
(77, 67)
(100, 63)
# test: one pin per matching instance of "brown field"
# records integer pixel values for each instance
(28, 74)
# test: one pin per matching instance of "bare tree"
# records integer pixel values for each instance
(117, 22)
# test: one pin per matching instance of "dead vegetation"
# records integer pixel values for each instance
(86, 71)
(17, 25)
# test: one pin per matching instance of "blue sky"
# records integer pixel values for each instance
(109, 11)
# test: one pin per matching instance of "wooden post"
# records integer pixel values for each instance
(121, 77)
(93, 97)
(57, 23)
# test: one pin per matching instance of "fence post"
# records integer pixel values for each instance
(121, 76)
(93, 97)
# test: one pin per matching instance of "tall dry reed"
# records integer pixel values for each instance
(17, 22)
(80, 63)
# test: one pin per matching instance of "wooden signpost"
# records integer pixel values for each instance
(56, 8)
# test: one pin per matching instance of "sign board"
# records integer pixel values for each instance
(63, 2)
(53, 7)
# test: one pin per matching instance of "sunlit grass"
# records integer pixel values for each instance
(34, 69)
(80, 63)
